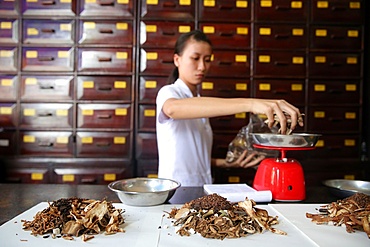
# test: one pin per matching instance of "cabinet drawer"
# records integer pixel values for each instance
(332, 37)
(149, 87)
(48, 31)
(334, 119)
(283, 36)
(147, 118)
(108, 8)
(277, 63)
(335, 65)
(230, 63)
(48, 8)
(221, 143)
(104, 88)
(46, 143)
(165, 9)
(162, 34)
(229, 123)
(226, 88)
(146, 146)
(8, 8)
(281, 10)
(105, 32)
(8, 87)
(8, 115)
(338, 92)
(337, 146)
(156, 62)
(103, 144)
(228, 36)
(49, 88)
(292, 91)
(51, 115)
(147, 168)
(8, 59)
(48, 59)
(105, 60)
(8, 30)
(338, 11)
(29, 173)
(116, 116)
(8, 143)
(225, 10)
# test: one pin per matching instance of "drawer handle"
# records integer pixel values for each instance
(106, 3)
(225, 90)
(169, 5)
(225, 63)
(223, 34)
(45, 87)
(105, 59)
(334, 147)
(281, 63)
(280, 92)
(331, 119)
(224, 119)
(225, 7)
(168, 33)
(335, 64)
(335, 91)
(333, 36)
(104, 116)
(46, 59)
(106, 30)
(88, 180)
(107, 88)
(103, 144)
(47, 30)
(46, 114)
(338, 8)
(48, 3)
(278, 7)
(167, 61)
(46, 144)
(282, 36)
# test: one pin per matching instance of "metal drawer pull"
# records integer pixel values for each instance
(46, 114)
(282, 36)
(331, 119)
(88, 180)
(226, 34)
(333, 64)
(338, 8)
(225, 63)
(335, 91)
(107, 88)
(46, 144)
(106, 30)
(168, 33)
(45, 59)
(280, 92)
(106, 3)
(282, 7)
(48, 3)
(333, 36)
(47, 30)
(105, 116)
(103, 144)
(46, 86)
(225, 7)
(281, 63)
(105, 59)
(169, 4)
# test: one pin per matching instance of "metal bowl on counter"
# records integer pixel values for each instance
(144, 191)
(344, 188)
(299, 140)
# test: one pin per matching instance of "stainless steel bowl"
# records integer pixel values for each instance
(144, 191)
(344, 188)
(299, 140)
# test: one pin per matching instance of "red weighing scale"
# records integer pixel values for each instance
(283, 176)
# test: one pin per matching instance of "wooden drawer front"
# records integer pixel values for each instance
(277, 63)
(149, 87)
(8, 8)
(47, 59)
(8, 30)
(221, 143)
(8, 143)
(147, 168)
(338, 11)
(50, 115)
(8, 87)
(233, 175)
(165, 9)
(105, 32)
(225, 10)
(338, 92)
(162, 34)
(104, 116)
(156, 62)
(231, 122)
(226, 88)
(8, 115)
(100, 60)
(104, 88)
(48, 8)
(50, 88)
(103, 144)
(48, 31)
(89, 174)
(337, 146)
(147, 117)
(228, 36)
(146, 146)
(230, 63)
(292, 91)
(107, 8)
(329, 37)
(289, 36)
(335, 65)
(281, 10)
(29, 174)
(334, 119)
(46, 143)
(8, 59)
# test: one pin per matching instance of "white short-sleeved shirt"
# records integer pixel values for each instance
(184, 146)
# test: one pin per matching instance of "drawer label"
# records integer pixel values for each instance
(5, 25)
(87, 112)
(184, 29)
(62, 112)
(352, 33)
(351, 87)
(297, 32)
(319, 87)
(149, 113)
(350, 115)
(5, 110)
(152, 56)
(320, 143)
(319, 114)
(63, 54)
(62, 139)
(264, 58)
(242, 4)
(121, 55)
(65, 27)
(31, 54)
(241, 58)
(109, 177)
(351, 60)
(90, 1)
(297, 87)
(119, 140)
(241, 115)
(233, 179)
(37, 176)
(32, 31)
(185, 2)
(89, 25)
(296, 5)
(207, 85)
(354, 5)
(349, 143)
(151, 28)
(29, 112)
(150, 84)
(265, 31)
(266, 3)
(29, 139)
(320, 59)
(241, 86)
(88, 84)
(322, 4)
(6, 53)
(209, 3)
(68, 178)
(264, 87)
(297, 60)
(209, 29)
(123, 1)
(152, 2)
(31, 81)
(4, 143)
(6, 82)
(121, 26)
(121, 112)
(87, 140)
(242, 30)
(120, 84)
(321, 32)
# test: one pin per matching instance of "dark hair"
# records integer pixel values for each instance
(180, 45)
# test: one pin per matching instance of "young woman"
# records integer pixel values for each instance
(184, 135)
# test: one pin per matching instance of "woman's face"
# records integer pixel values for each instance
(194, 62)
